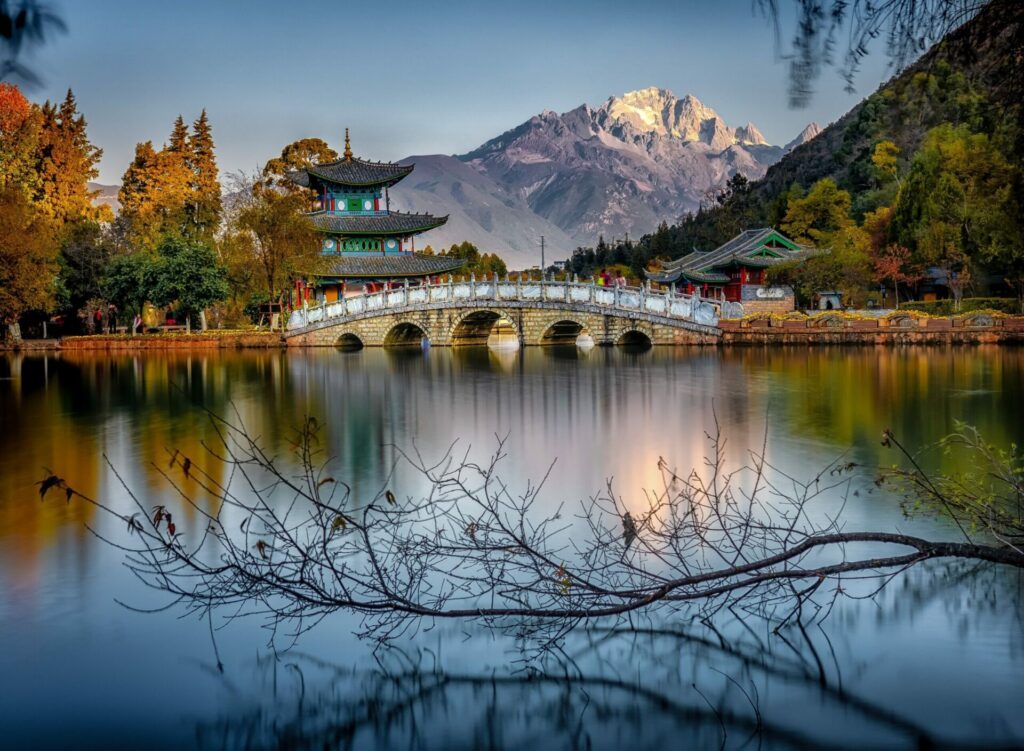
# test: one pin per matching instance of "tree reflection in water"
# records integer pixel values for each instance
(727, 683)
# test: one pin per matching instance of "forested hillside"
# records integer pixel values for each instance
(925, 173)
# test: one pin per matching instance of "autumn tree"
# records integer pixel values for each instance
(814, 218)
(20, 124)
(894, 264)
(174, 191)
(66, 161)
(153, 193)
(28, 263)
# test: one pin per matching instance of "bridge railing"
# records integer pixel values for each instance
(668, 303)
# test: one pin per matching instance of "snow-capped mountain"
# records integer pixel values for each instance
(623, 167)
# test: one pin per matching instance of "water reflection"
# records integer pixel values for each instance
(940, 650)
(726, 685)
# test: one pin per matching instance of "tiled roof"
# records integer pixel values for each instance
(744, 248)
(357, 172)
(395, 223)
(390, 267)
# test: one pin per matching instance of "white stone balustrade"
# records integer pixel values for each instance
(664, 304)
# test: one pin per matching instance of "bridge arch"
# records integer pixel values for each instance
(634, 338)
(474, 327)
(563, 331)
(349, 342)
(406, 333)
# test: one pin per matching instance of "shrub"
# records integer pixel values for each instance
(967, 305)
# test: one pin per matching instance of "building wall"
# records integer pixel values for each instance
(763, 298)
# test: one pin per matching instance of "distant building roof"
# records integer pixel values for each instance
(391, 267)
(753, 248)
(375, 225)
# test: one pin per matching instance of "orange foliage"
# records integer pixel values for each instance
(14, 108)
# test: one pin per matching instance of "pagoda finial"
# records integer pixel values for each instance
(348, 147)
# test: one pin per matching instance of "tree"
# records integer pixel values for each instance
(86, 251)
(28, 260)
(845, 267)
(471, 548)
(20, 125)
(172, 192)
(129, 281)
(960, 203)
(187, 275)
(203, 210)
(66, 161)
(153, 194)
(885, 159)
(821, 213)
(307, 152)
(894, 265)
(268, 227)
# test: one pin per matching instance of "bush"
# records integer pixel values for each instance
(968, 304)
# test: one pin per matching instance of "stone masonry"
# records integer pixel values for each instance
(537, 323)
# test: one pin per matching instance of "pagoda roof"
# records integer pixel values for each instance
(749, 248)
(390, 267)
(351, 171)
(373, 225)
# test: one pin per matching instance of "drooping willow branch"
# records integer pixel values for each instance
(296, 546)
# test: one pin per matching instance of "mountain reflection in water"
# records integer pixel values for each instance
(935, 659)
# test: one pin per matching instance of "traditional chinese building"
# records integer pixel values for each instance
(737, 270)
(366, 243)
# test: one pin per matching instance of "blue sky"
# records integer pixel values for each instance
(406, 77)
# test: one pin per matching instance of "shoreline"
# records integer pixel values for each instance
(825, 329)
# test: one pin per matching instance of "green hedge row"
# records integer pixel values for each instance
(945, 307)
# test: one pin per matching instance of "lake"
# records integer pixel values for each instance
(936, 657)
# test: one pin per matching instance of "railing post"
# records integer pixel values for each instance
(519, 286)
(616, 294)
(643, 296)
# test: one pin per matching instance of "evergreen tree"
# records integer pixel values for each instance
(66, 162)
(178, 142)
(204, 208)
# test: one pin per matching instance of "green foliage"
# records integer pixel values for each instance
(819, 215)
(1008, 305)
(846, 268)
(84, 255)
(187, 275)
(476, 262)
(129, 281)
(958, 199)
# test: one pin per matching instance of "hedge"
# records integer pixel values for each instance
(968, 304)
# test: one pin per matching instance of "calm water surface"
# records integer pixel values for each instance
(937, 657)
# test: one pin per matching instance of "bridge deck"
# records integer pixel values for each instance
(661, 308)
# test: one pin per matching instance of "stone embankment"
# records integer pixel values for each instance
(209, 340)
(981, 327)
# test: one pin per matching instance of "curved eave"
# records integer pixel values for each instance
(391, 225)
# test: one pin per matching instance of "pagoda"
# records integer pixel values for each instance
(367, 246)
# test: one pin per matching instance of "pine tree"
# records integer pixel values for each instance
(66, 162)
(179, 137)
(154, 192)
(204, 208)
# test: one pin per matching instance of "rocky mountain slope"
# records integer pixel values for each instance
(479, 210)
(623, 167)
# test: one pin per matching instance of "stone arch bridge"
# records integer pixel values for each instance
(523, 312)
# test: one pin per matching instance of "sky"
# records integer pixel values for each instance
(407, 78)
